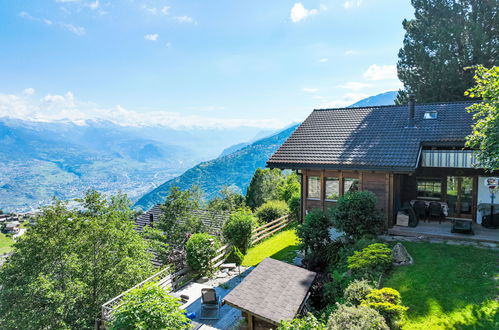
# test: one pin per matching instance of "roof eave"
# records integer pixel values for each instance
(300, 166)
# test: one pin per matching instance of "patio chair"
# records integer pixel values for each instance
(210, 304)
(420, 209)
(435, 211)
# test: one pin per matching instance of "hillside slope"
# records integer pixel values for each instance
(235, 169)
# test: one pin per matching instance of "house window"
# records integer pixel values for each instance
(350, 184)
(332, 188)
(314, 187)
(429, 188)
(448, 158)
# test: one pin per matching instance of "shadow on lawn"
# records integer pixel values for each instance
(287, 254)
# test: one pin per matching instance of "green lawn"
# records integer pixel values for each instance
(448, 287)
(282, 246)
(5, 244)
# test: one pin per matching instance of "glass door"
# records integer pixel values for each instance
(460, 196)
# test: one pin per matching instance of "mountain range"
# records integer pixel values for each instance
(236, 164)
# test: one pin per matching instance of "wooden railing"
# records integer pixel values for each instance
(270, 228)
(221, 256)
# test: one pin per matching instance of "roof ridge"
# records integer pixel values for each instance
(395, 105)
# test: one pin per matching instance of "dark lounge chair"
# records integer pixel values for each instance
(420, 209)
(210, 304)
(435, 211)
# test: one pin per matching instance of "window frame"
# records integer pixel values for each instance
(308, 187)
(325, 188)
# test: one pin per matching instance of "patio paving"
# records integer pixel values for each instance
(229, 316)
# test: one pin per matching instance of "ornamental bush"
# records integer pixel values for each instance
(238, 229)
(314, 231)
(272, 210)
(294, 204)
(371, 261)
(235, 256)
(356, 317)
(357, 291)
(387, 302)
(356, 214)
(308, 322)
(201, 248)
(149, 307)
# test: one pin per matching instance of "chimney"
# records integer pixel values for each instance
(410, 105)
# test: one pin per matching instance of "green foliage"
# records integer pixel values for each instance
(356, 318)
(294, 204)
(263, 187)
(201, 248)
(357, 291)
(149, 307)
(387, 302)
(485, 136)
(177, 219)
(314, 231)
(289, 186)
(308, 322)
(371, 261)
(228, 200)
(235, 256)
(334, 289)
(272, 210)
(441, 40)
(238, 229)
(71, 262)
(356, 214)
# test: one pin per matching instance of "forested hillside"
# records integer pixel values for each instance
(235, 169)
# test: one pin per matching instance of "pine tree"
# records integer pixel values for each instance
(444, 38)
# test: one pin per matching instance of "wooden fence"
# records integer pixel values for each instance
(270, 228)
(166, 279)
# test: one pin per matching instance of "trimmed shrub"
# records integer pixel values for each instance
(149, 307)
(371, 261)
(201, 248)
(238, 229)
(308, 322)
(235, 256)
(357, 291)
(387, 302)
(272, 210)
(357, 318)
(356, 214)
(294, 204)
(314, 231)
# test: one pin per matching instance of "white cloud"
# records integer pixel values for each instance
(93, 5)
(78, 30)
(381, 72)
(151, 37)
(298, 12)
(355, 86)
(311, 90)
(184, 19)
(343, 101)
(55, 107)
(324, 59)
(350, 52)
(29, 91)
(352, 4)
(165, 10)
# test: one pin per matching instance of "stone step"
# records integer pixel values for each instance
(228, 266)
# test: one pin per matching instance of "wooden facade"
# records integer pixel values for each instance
(391, 189)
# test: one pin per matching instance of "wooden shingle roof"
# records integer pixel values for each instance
(273, 291)
(372, 138)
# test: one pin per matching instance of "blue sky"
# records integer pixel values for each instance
(263, 63)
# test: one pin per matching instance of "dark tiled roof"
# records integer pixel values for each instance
(213, 221)
(273, 291)
(371, 137)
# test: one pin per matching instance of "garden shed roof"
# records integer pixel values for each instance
(273, 291)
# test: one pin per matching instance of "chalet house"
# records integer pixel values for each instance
(13, 227)
(401, 153)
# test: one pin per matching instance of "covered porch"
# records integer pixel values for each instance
(443, 231)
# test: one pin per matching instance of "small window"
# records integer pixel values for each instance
(332, 188)
(314, 187)
(350, 185)
(429, 188)
(430, 115)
